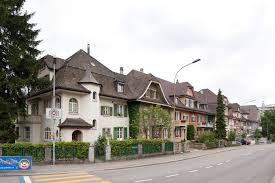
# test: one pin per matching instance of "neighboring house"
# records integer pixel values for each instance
(252, 117)
(264, 107)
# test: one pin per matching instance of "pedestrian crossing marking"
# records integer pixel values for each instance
(103, 182)
(79, 180)
(62, 178)
(58, 175)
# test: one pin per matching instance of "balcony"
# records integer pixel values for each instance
(180, 123)
(30, 119)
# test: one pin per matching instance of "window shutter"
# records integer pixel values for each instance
(111, 111)
(115, 109)
(102, 110)
(125, 111)
(115, 133)
(125, 133)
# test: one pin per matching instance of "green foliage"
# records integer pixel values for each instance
(220, 125)
(190, 132)
(257, 134)
(244, 135)
(272, 138)
(100, 145)
(154, 116)
(130, 146)
(211, 144)
(133, 108)
(25, 149)
(206, 137)
(232, 136)
(71, 150)
(268, 122)
(19, 66)
(64, 150)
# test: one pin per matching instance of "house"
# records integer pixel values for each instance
(93, 100)
(252, 117)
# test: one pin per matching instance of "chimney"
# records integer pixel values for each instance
(121, 70)
(88, 48)
(141, 70)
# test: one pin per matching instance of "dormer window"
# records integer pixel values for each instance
(120, 87)
(152, 93)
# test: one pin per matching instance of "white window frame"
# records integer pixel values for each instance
(193, 118)
(165, 133)
(177, 132)
(106, 132)
(47, 133)
(73, 106)
(120, 87)
(178, 115)
(120, 110)
(120, 133)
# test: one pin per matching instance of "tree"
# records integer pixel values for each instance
(18, 64)
(268, 123)
(154, 116)
(232, 136)
(220, 125)
(257, 134)
(190, 132)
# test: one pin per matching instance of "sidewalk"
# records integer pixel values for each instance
(59, 168)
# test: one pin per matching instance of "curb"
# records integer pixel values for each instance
(118, 168)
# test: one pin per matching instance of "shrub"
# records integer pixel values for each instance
(211, 144)
(100, 145)
(272, 138)
(257, 134)
(206, 137)
(190, 132)
(231, 136)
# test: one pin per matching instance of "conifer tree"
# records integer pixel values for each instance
(220, 125)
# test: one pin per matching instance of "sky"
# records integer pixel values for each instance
(235, 40)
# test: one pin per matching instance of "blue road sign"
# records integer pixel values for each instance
(15, 162)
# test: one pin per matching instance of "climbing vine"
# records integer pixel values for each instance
(134, 117)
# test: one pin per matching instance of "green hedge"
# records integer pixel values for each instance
(211, 145)
(124, 147)
(25, 149)
(130, 146)
(206, 137)
(63, 151)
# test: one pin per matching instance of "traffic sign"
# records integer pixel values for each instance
(53, 113)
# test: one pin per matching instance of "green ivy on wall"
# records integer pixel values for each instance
(133, 108)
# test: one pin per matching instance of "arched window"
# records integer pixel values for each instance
(77, 135)
(73, 105)
(47, 133)
(94, 95)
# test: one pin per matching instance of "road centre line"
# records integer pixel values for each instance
(209, 166)
(173, 175)
(192, 171)
(227, 161)
(219, 164)
(144, 180)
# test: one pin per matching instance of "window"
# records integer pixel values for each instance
(178, 115)
(47, 104)
(193, 118)
(191, 103)
(152, 93)
(47, 133)
(34, 108)
(106, 111)
(26, 133)
(165, 133)
(177, 132)
(120, 87)
(185, 117)
(94, 123)
(73, 105)
(199, 116)
(120, 110)
(156, 132)
(94, 95)
(106, 132)
(119, 133)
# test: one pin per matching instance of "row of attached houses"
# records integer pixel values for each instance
(95, 101)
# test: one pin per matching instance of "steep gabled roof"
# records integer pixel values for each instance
(88, 78)
(253, 112)
(48, 60)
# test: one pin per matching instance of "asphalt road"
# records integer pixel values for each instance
(255, 164)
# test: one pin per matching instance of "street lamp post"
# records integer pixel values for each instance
(174, 139)
(53, 107)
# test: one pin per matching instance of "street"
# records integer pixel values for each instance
(246, 164)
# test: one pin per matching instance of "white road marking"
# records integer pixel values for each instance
(247, 154)
(209, 166)
(145, 180)
(227, 161)
(192, 171)
(27, 179)
(219, 164)
(173, 175)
